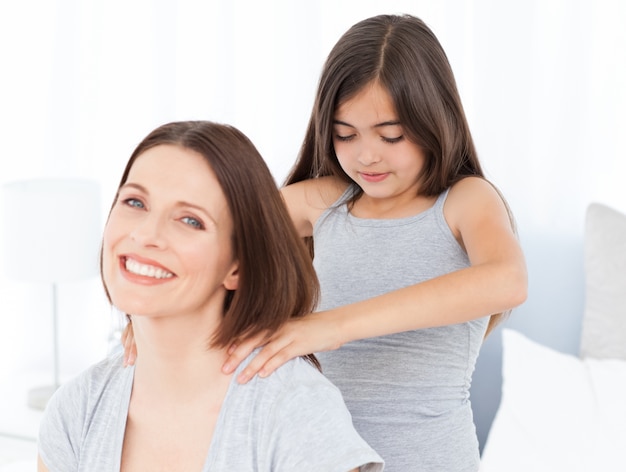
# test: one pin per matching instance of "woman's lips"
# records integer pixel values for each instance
(144, 271)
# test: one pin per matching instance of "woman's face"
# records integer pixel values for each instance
(167, 248)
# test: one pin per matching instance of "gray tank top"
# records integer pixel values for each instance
(408, 392)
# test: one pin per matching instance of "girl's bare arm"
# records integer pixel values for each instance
(495, 282)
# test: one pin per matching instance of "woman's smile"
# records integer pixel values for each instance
(148, 270)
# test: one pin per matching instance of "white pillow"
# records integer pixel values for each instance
(604, 321)
(558, 412)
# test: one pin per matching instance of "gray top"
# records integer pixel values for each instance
(408, 392)
(293, 420)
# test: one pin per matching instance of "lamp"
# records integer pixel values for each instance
(51, 234)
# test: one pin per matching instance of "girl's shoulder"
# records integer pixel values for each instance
(319, 192)
(472, 201)
(308, 199)
(472, 191)
(469, 183)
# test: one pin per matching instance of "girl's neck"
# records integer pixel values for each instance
(387, 208)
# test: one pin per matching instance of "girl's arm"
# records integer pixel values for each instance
(307, 200)
(496, 281)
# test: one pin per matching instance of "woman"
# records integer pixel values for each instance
(200, 250)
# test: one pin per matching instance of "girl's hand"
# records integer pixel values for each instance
(298, 337)
(128, 341)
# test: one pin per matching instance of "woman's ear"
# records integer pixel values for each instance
(231, 281)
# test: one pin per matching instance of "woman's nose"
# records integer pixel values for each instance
(149, 231)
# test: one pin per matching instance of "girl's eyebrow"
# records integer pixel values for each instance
(377, 125)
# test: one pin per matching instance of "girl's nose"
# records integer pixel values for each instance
(368, 156)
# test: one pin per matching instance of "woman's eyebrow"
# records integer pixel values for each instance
(183, 203)
(135, 186)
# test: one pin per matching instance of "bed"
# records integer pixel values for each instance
(561, 412)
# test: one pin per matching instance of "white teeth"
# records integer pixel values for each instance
(146, 270)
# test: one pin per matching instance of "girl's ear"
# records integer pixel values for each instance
(231, 281)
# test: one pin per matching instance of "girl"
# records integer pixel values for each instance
(414, 249)
(200, 249)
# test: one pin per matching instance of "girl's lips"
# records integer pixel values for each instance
(373, 177)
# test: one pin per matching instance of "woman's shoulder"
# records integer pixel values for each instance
(300, 371)
(295, 385)
(88, 402)
(92, 382)
(297, 374)
(306, 404)
(105, 371)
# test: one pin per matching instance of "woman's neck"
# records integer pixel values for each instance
(177, 395)
(171, 352)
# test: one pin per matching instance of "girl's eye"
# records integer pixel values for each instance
(133, 202)
(344, 138)
(392, 140)
(193, 222)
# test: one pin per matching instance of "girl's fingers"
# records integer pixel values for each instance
(130, 348)
(260, 362)
(296, 338)
(276, 361)
(238, 351)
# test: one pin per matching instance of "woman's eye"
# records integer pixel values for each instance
(133, 202)
(193, 222)
(392, 140)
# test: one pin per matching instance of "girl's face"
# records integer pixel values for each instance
(372, 148)
(167, 246)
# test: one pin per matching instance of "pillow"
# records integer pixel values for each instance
(604, 320)
(558, 412)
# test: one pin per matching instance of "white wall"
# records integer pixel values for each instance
(84, 81)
